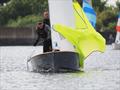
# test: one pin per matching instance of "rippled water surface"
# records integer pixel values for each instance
(101, 72)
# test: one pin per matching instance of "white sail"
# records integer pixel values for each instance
(117, 40)
(118, 31)
(61, 11)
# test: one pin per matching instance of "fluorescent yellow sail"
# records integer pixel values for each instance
(83, 37)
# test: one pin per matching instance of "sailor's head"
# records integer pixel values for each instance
(46, 14)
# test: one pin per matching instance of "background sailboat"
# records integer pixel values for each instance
(117, 41)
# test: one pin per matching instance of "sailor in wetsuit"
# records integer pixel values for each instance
(43, 31)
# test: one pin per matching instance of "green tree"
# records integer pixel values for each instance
(21, 8)
(3, 1)
(106, 15)
(99, 5)
(118, 5)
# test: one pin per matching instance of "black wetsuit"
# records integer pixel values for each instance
(45, 35)
(46, 21)
(41, 35)
(47, 44)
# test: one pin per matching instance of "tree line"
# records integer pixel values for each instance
(17, 12)
(25, 13)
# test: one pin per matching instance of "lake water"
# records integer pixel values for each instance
(101, 72)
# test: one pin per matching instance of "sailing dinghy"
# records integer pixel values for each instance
(117, 41)
(72, 34)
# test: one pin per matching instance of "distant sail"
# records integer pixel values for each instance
(118, 30)
(89, 11)
(118, 24)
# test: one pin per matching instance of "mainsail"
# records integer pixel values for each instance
(61, 11)
(84, 38)
(89, 11)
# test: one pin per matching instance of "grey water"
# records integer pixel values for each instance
(101, 72)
